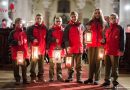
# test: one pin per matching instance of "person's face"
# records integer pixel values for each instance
(58, 22)
(74, 18)
(106, 18)
(113, 19)
(97, 14)
(88, 27)
(19, 24)
(39, 19)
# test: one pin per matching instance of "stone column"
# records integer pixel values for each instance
(124, 17)
(80, 4)
(46, 4)
(22, 10)
(105, 5)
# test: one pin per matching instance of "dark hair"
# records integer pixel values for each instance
(88, 23)
(4, 19)
(38, 14)
(17, 20)
(74, 13)
(115, 15)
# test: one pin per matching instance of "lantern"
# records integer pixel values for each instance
(57, 55)
(88, 37)
(101, 53)
(34, 53)
(20, 57)
(68, 62)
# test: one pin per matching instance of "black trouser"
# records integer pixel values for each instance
(16, 71)
(94, 63)
(40, 62)
(58, 70)
(111, 67)
(77, 59)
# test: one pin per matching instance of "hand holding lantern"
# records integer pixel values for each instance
(101, 53)
(20, 57)
(68, 62)
(57, 53)
(88, 37)
(35, 52)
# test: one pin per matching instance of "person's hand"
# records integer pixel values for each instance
(35, 40)
(68, 50)
(27, 62)
(103, 41)
(46, 51)
(120, 53)
(57, 40)
(19, 43)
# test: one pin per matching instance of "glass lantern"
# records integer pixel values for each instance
(68, 62)
(20, 57)
(88, 37)
(35, 52)
(101, 53)
(57, 55)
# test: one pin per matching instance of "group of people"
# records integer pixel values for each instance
(70, 40)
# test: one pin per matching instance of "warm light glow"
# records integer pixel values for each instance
(4, 3)
(57, 56)
(88, 37)
(34, 52)
(20, 57)
(101, 53)
(23, 21)
(68, 62)
(127, 7)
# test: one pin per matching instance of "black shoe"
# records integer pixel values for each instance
(60, 79)
(41, 80)
(68, 80)
(26, 82)
(115, 83)
(95, 83)
(17, 83)
(33, 81)
(80, 81)
(105, 84)
(89, 81)
(51, 80)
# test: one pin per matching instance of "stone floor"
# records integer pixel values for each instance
(7, 82)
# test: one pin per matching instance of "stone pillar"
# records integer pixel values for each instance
(80, 4)
(124, 17)
(105, 5)
(22, 10)
(46, 4)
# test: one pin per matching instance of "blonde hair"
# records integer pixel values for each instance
(102, 20)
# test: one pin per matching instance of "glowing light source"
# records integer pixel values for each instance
(4, 3)
(127, 7)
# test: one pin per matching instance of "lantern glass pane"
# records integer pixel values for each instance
(101, 53)
(57, 56)
(20, 57)
(35, 52)
(88, 37)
